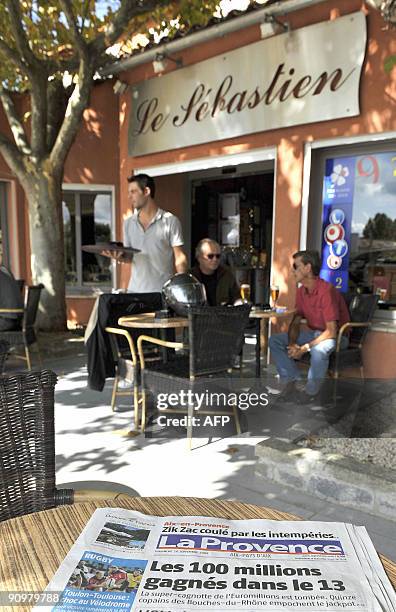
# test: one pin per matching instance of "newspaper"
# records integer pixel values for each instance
(125, 560)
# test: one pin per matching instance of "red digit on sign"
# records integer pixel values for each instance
(368, 166)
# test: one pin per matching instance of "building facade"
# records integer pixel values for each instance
(268, 137)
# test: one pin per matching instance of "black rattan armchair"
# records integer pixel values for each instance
(21, 284)
(361, 310)
(27, 445)
(215, 338)
(4, 350)
(26, 336)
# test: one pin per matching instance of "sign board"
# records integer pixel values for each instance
(338, 188)
(307, 75)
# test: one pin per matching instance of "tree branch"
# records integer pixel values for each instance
(13, 158)
(15, 124)
(14, 57)
(74, 31)
(19, 34)
(38, 106)
(127, 10)
(57, 98)
(84, 15)
(37, 72)
(77, 103)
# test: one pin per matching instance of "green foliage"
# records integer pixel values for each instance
(389, 63)
(45, 26)
(51, 40)
(381, 227)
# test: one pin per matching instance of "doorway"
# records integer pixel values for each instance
(235, 208)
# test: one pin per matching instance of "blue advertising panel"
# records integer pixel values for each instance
(338, 191)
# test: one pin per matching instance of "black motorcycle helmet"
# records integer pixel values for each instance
(182, 291)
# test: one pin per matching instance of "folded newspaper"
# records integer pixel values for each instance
(125, 560)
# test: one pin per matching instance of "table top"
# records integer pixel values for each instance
(33, 546)
(148, 320)
(256, 313)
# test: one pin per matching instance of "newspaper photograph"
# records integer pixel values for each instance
(124, 560)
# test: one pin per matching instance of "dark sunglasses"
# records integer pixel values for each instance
(213, 255)
(295, 266)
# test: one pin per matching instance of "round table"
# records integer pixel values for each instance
(149, 321)
(33, 546)
(262, 331)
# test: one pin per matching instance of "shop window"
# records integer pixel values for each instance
(86, 220)
(358, 222)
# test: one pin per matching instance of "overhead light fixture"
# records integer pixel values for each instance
(271, 25)
(120, 87)
(161, 60)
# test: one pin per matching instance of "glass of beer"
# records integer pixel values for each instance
(245, 292)
(274, 295)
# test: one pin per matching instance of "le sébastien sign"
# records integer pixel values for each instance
(311, 74)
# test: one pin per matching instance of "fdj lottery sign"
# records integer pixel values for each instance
(338, 189)
(286, 547)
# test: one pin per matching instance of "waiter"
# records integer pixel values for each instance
(156, 233)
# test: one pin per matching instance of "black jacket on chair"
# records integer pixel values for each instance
(111, 307)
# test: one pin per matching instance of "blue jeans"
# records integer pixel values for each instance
(320, 355)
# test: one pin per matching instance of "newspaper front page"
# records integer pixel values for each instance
(125, 560)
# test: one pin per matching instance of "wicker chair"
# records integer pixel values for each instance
(26, 336)
(215, 337)
(126, 367)
(122, 344)
(361, 311)
(27, 445)
(4, 350)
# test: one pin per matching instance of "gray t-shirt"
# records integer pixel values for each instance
(154, 265)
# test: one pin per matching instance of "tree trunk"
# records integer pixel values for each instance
(44, 196)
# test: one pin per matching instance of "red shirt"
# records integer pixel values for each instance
(322, 305)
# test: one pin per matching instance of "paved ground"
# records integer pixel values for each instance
(92, 447)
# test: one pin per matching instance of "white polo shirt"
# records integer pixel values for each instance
(154, 265)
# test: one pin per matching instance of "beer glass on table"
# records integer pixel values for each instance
(245, 293)
(274, 295)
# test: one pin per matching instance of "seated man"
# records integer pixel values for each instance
(220, 284)
(10, 298)
(325, 310)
